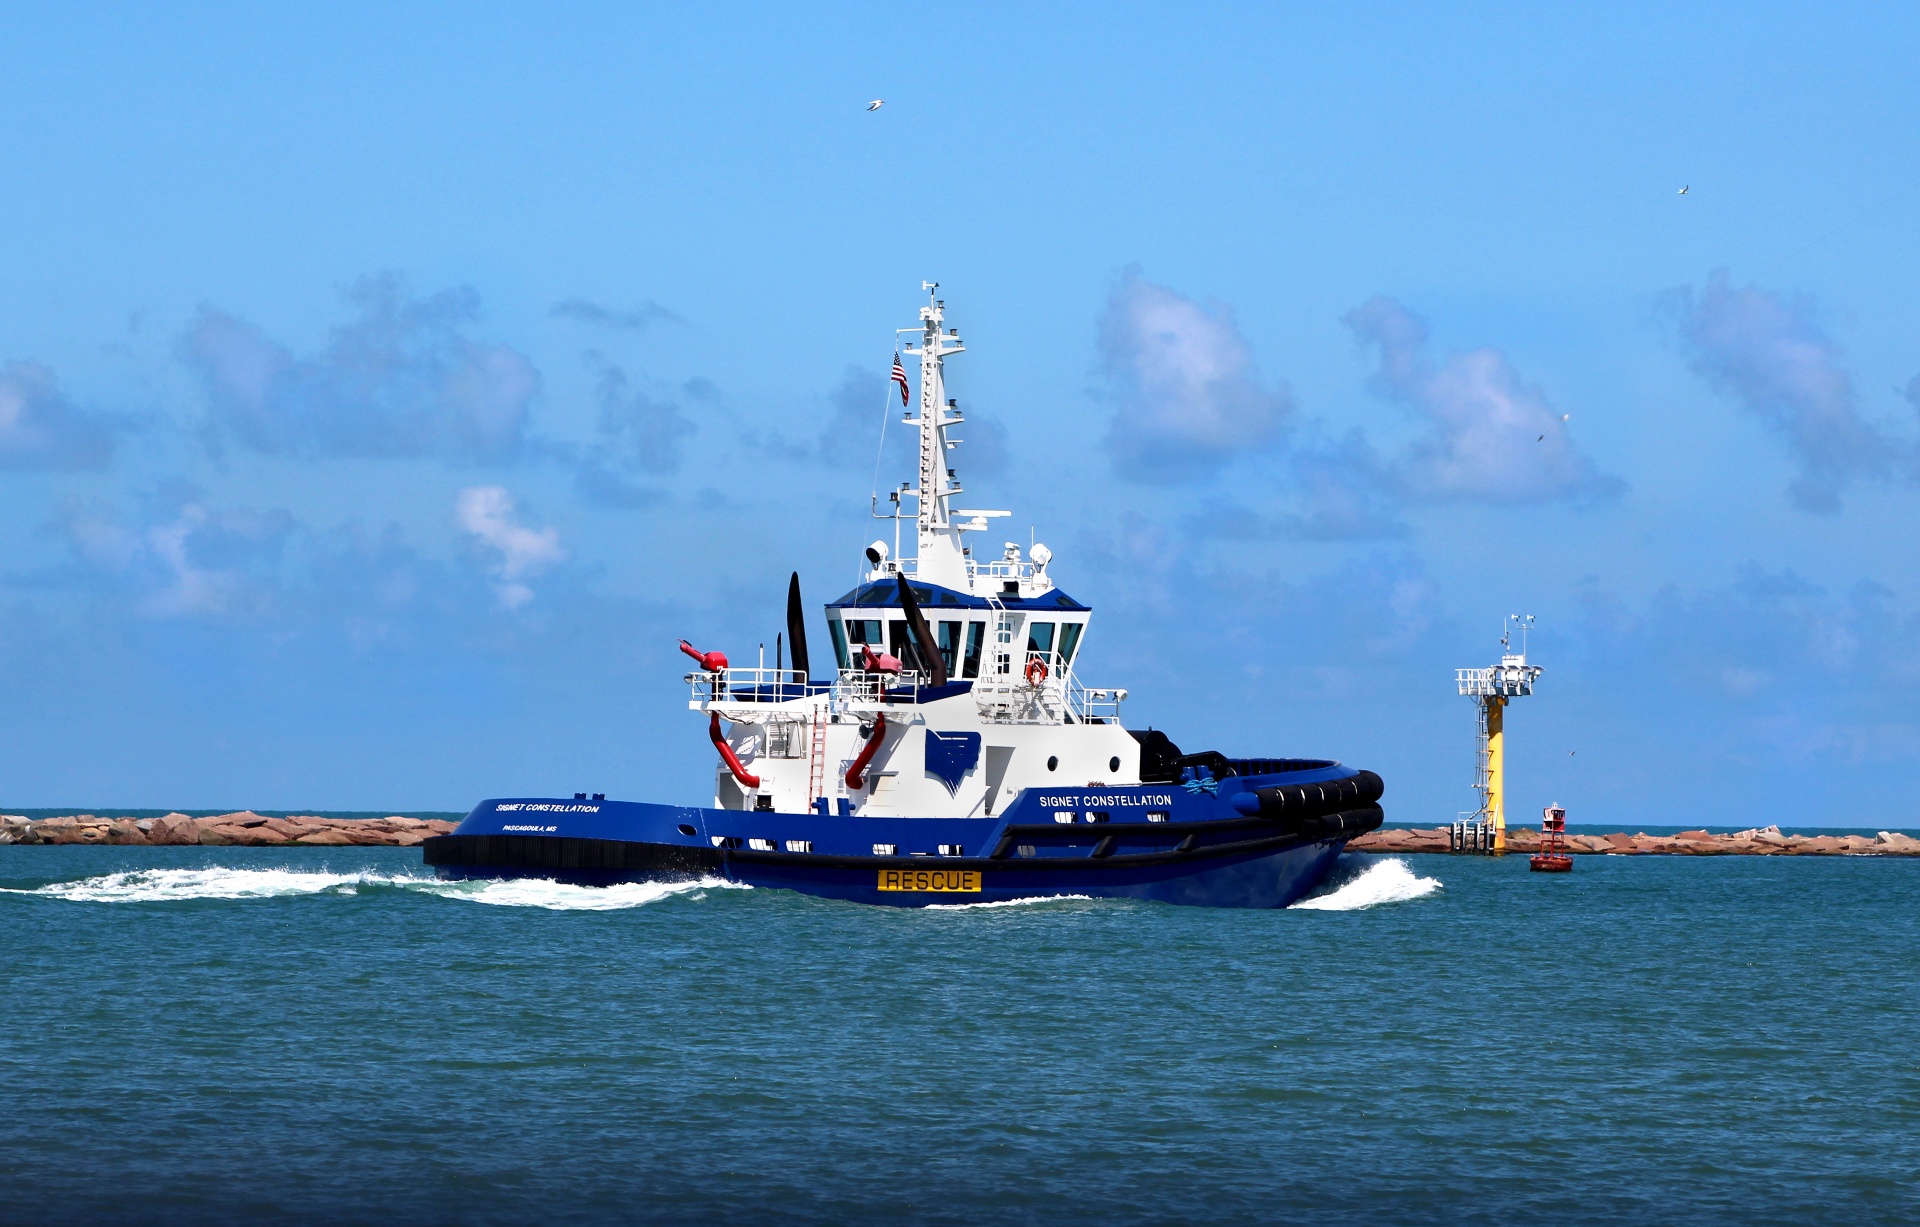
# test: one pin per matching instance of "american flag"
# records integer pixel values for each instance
(900, 377)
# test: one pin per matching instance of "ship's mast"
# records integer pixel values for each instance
(940, 559)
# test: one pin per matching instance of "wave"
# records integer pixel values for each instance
(959, 907)
(1357, 883)
(563, 897)
(1384, 881)
(212, 882)
(222, 882)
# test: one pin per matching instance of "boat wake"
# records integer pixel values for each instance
(563, 897)
(221, 882)
(961, 907)
(1359, 883)
(212, 882)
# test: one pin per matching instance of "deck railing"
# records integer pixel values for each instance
(1001, 698)
(998, 568)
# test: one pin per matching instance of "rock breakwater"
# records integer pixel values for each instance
(1760, 841)
(242, 829)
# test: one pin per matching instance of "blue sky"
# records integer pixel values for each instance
(385, 389)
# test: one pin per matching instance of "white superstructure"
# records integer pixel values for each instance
(1012, 713)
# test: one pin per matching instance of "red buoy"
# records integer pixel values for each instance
(1552, 857)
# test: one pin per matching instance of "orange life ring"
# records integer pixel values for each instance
(1036, 672)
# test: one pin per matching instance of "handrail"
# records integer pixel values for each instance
(775, 688)
(1003, 698)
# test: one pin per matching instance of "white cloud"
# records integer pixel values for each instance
(1493, 436)
(187, 561)
(1182, 378)
(1770, 353)
(638, 429)
(490, 515)
(403, 378)
(41, 429)
(632, 319)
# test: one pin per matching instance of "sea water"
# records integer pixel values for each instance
(228, 1035)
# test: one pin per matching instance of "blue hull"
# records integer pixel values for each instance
(1272, 879)
(1155, 841)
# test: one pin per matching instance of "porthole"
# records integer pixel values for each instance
(1053, 763)
(686, 829)
(1113, 764)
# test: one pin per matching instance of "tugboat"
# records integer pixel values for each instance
(952, 756)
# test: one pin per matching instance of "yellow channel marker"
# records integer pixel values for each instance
(945, 880)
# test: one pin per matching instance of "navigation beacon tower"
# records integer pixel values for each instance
(1490, 689)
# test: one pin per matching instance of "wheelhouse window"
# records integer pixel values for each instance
(1069, 641)
(857, 631)
(976, 636)
(900, 643)
(1040, 640)
(948, 635)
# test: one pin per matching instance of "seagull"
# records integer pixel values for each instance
(877, 103)
(1683, 191)
(1541, 437)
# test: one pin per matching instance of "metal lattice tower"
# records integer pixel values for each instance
(1491, 689)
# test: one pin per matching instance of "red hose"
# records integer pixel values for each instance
(726, 752)
(856, 780)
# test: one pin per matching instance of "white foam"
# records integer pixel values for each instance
(563, 897)
(222, 882)
(1384, 881)
(958, 907)
(212, 882)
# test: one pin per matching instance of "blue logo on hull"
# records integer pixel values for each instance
(950, 756)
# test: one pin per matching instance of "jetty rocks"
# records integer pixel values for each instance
(1760, 841)
(243, 829)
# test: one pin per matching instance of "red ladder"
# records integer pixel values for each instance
(817, 753)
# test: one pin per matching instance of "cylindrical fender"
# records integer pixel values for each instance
(856, 774)
(1311, 800)
(1344, 825)
(746, 778)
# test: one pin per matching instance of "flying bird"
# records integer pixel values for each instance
(877, 103)
(1683, 191)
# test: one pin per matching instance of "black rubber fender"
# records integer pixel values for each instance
(1284, 801)
(1344, 825)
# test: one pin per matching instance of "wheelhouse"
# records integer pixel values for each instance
(1047, 628)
